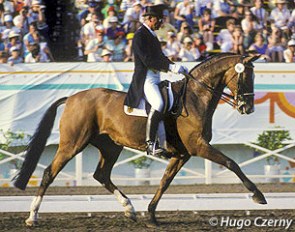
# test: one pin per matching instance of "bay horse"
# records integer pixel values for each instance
(96, 117)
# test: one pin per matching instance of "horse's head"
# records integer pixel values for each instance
(240, 80)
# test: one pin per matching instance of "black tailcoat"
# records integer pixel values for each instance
(147, 55)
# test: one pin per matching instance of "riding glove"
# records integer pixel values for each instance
(178, 69)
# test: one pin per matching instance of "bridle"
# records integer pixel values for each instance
(227, 98)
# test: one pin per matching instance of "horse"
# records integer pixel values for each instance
(96, 117)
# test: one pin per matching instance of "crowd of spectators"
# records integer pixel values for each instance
(23, 32)
(192, 29)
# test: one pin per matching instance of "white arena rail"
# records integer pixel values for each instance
(169, 202)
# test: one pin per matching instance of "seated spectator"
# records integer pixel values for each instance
(117, 47)
(206, 27)
(38, 38)
(185, 31)
(23, 20)
(132, 17)
(260, 46)
(88, 30)
(3, 57)
(249, 27)
(14, 41)
(238, 40)
(165, 27)
(15, 57)
(28, 38)
(172, 41)
(188, 52)
(95, 46)
(110, 5)
(260, 14)
(239, 12)
(201, 5)
(114, 28)
(289, 53)
(184, 13)
(126, 4)
(106, 55)
(36, 55)
(2, 44)
(168, 51)
(8, 24)
(199, 43)
(280, 15)
(275, 45)
(225, 37)
(94, 7)
(110, 13)
(221, 8)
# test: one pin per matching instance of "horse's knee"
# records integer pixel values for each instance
(231, 165)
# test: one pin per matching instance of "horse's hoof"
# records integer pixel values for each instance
(259, 198)
(131, 215)
(30, 223)
(152, 224)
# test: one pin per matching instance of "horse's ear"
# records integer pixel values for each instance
(251, 58)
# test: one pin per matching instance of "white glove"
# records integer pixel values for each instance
(178, 69)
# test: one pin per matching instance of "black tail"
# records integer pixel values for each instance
(36, 146)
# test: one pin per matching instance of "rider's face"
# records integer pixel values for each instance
(156, 23)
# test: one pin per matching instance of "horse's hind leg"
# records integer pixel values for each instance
(68, 148)
(109, 155)
(175, 164)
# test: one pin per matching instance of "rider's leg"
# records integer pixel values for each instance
(154, 97)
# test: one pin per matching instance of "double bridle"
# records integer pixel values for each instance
(227, 98)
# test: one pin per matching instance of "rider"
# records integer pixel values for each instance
(149, 61)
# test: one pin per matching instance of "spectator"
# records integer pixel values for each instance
(14, 41)
(38, 16)
(238, 40)
(133, 14)
(106, 55)
(188, 52)
(8, 25)
(114, 28)
(289, 53)
(2, 44)
(36, 55)
(184, 13)
(94, 47)
(165, 27)
(126, 4)
(200, 45)
(249, 27)
(201, 5)
(260, 46)
(168, 51)
(172, 42)
(88, 31)
(3, 57)
(239, 12)
(185, 31)
(8, 7)
(225, 38)
(260, 13)
(15, 57)
(280, 15)
(117, 46)
(29, 39)
(110, 6)
(39, 39)
(221, 8)
(93, 8)
(275, 45)
(206, 27)
(128, 49)
(23, 20)
(110, 13)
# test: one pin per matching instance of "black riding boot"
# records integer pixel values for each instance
(153, 147)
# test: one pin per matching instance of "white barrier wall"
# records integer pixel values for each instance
(27, 90)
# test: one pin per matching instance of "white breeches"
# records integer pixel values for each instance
(152, 92)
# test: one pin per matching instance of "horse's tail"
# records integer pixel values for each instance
(36, 145)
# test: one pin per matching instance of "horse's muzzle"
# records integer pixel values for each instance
(245, 108)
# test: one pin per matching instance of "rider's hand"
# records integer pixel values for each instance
(178, 69)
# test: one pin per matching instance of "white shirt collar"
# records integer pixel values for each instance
(150, 30)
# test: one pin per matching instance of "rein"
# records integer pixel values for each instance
(224, 96)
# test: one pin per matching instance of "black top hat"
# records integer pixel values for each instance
(156, 10)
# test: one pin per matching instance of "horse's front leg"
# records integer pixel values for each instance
(206, 151)
(172, 169)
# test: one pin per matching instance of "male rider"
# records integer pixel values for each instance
(149, 62)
